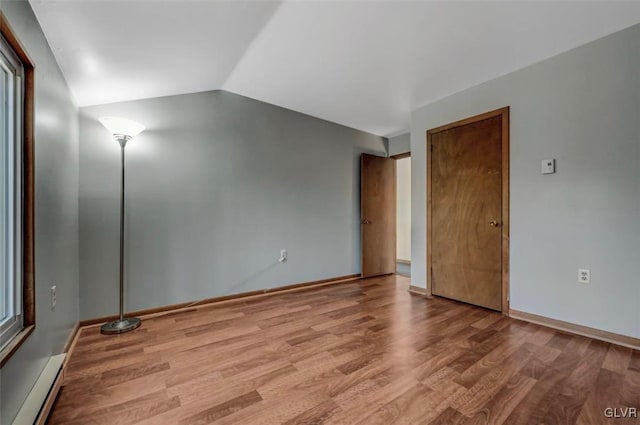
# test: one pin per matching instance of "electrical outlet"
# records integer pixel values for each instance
(584, 275)
(54, 297)
(283, 256)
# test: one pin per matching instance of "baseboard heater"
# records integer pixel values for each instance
(39, 401)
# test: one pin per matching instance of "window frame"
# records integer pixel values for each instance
(26, 218)
(12, 75)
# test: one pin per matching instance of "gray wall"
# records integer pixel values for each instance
(216, 186)
(399, 144)
(582, 108)
(56, 249)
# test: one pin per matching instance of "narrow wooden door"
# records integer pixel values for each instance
(378, 215)
(466, 211)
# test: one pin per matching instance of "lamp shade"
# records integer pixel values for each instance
(122, 126)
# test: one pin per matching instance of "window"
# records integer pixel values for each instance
(17, 304)
(11, 76)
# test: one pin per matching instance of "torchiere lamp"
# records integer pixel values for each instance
(123, 130)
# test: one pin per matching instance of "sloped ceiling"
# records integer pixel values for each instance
(364, 64)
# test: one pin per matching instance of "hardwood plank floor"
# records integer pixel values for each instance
(365, 352)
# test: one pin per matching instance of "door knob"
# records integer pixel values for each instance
(493, 223)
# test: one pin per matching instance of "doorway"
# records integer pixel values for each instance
(403, 214)
(468, 210)
(386, 215)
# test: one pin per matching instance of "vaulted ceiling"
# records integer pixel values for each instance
(364, 64)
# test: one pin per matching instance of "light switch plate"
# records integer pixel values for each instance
(548, 166)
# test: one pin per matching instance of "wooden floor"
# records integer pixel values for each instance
(366, 352)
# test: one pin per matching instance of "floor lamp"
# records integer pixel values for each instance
(123, 130)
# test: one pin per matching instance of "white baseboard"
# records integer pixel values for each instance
(33, 409)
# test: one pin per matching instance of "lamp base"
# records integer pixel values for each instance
(120, 326)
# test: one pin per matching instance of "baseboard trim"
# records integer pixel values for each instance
(70, 345)
(416, 290)
(173, 308)
(625, 341)
(401, 261)
(72, 338)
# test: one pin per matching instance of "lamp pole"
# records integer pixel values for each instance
(122, 130)
(123, 324)
(123, 142)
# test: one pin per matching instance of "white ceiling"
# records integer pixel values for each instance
(363, 64)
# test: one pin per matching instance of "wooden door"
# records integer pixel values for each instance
(466, 209)
(378, 215)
